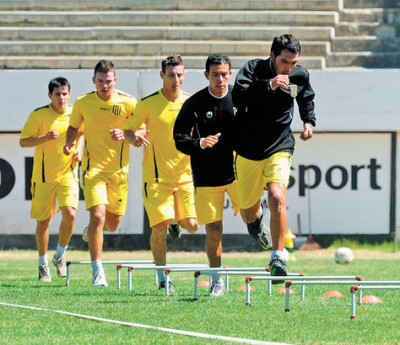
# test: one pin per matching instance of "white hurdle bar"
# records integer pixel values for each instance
(155, 268)
(289, 283)
(356, 288)
(299, 278)
(105, 262)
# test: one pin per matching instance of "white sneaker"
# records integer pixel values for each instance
(44, 273)
(99, 279)
(217, 290)
(85, 235)
(61, 266)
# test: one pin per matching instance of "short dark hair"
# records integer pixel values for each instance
(217, 59)
(172, 60)
(285, 41)
(104, 66)
(58, 82)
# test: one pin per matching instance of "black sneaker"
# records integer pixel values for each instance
(260, 232)
(277, 268)
(174, 230)
(171, 287)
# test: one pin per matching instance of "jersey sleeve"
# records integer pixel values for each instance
(31, 127)
(138, 117)
(76, 119)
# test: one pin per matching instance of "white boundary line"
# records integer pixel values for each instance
(162, 329)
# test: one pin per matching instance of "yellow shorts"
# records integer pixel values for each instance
(106, 189)
(46, 195)
(165, 201)
(210, 202)
(253, 176)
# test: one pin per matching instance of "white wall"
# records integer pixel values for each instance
(346, 101)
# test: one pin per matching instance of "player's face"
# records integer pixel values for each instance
(285, 62)
(173, 78)
(105, 84)
(59, 99)
(219, 76)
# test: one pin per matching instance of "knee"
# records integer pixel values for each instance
(97, 219)
(191, 225)
(69, 215)
(276, 200)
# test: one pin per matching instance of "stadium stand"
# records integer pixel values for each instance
(137, 34)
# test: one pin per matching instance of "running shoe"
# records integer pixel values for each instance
(85, 235)
(217, 289)
(171, 287)
(99, 279)
(277, 267)
(44, 273)
(60, 266)
(174, 230)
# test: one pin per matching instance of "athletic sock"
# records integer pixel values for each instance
(276, 253)
(161, 276)
(43, 260)
(97, 266)
(215, 278)
(60, 251)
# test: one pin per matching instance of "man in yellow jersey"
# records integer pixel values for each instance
(54, 176)
(105, 162)
(167, 177)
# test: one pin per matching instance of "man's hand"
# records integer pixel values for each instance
(307, 133)
(209, 141)
(117, 134)
(281, 80)
(67, 149)
(141, 137)
(51, 135)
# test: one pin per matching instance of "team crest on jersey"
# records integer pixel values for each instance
(116, 109)
(209, 114)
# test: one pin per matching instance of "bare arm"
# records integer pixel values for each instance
(34, 141)
(72, 134)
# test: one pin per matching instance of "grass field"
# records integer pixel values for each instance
(316, 320)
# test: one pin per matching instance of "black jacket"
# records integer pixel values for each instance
(200, 116)
(263, 119)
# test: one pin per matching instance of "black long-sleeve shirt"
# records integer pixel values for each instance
(203, 115)
(262, 123)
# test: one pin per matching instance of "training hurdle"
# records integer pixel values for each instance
(299, 278)
(105, 262)
(227, 271)
(356, 288)
(361, 283)
(155, 268)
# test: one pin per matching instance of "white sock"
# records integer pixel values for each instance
(97, 266)
(161, 276)
(215, 278)
(277, 253)
(60, 251)
(43, 260)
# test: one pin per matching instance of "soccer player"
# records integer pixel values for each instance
(203, 131)
(105, 162)
(264, 94)
(54, 176)
(167, 176)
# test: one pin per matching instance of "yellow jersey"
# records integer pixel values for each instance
(49, 162)
(101, 153)
(162, 162)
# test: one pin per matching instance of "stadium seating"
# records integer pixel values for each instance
(137, 34)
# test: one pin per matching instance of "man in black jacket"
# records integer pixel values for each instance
(264, 94)
(203, 130)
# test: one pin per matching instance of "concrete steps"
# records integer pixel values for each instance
(167, 18)
(227, 33)
(255, 5)
(128, 62)
(151, 47)
(364, 59)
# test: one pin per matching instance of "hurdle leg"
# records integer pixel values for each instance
(248, 280)
(360, 295)
(288, 284)
(227, 282)
(130, 278)
(118, 277)
(195, 298)
(303, 292)
(353, 291)
(269, 287)
(67, 275)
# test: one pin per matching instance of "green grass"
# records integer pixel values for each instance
(316, 320)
